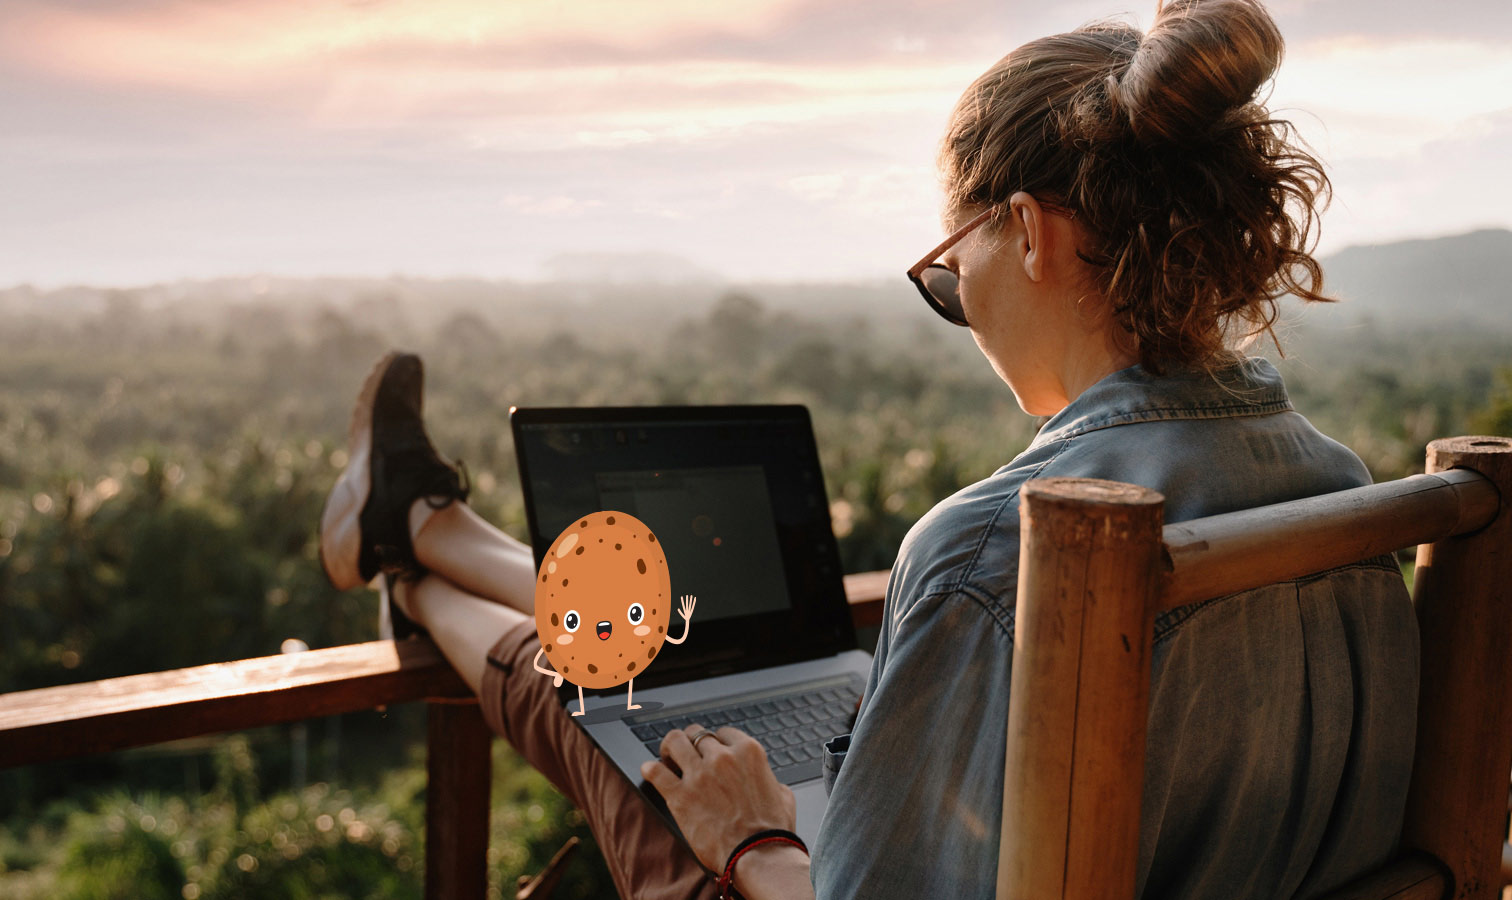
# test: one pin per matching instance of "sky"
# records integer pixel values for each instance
(150, 140)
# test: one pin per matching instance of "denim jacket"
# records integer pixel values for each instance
(1282, 719)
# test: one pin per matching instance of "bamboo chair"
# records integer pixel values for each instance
(1097, 565)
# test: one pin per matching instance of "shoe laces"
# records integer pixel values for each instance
(396, 562)
(448, 485)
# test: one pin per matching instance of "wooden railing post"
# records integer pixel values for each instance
(1088, 578)
(459, 764)
(1462, 591)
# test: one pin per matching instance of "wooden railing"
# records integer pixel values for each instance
(1096, 564)
(1063, 836)
(135, 710)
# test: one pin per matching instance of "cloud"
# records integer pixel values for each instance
(239, 41)
(481, 74)
(154, 138)
(887, 191)
(1489, 21)
(1454, 182)
(1414, 82)
(231, 43)
(552, 206)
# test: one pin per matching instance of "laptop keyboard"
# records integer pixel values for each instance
(793, 725)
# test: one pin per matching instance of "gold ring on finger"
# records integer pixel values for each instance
(701, 735)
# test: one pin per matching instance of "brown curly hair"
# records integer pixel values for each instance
(1199, 208)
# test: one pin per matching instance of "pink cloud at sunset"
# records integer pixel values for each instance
(152, 139)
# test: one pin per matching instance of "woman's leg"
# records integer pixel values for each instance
(464, 626)
(384, 497)
(395, 504)
(492, 646)
(465, 549)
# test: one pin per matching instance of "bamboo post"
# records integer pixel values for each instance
(1078, 703)
(459, 766)
(1462, 591)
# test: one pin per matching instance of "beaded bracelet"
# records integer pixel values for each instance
(727, 880)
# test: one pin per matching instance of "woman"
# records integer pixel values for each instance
(1123, 216)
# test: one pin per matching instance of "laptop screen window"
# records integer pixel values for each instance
(724, 535)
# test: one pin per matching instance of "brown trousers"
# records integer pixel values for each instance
(520, 704)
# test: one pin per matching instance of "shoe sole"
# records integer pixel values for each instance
(340, 530)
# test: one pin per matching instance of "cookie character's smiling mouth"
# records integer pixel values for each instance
(604, 628)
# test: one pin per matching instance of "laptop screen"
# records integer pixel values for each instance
(728, 540)
(736, 498)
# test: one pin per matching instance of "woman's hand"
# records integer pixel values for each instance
(726, 792)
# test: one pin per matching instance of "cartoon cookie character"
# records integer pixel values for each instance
(603, 602)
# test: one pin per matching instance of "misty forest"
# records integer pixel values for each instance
(165, 452)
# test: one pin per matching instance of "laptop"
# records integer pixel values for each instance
(735, 497)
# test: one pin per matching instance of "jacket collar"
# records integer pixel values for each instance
(1249, 386)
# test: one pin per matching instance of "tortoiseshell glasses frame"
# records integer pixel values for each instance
(939, 285)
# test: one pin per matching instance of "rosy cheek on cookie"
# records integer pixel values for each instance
(565, 639)
(643, 630)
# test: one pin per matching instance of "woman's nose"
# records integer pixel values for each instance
(604, 628)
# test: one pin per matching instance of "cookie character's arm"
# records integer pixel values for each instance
(556, 680)
(686, 608)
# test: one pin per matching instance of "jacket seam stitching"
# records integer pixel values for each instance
(997, 514)
(985, 600)
(1227, 411)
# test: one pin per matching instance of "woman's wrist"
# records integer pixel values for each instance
(775, 869)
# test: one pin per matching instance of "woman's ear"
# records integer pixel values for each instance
(1031, 217)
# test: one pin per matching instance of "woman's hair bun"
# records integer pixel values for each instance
(1200, 60)
(1196, 208)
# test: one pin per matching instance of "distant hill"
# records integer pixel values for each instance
(1464, 278)
(1459, 280)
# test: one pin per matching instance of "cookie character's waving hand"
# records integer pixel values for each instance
(686, 608)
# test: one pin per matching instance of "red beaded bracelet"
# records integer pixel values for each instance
(727, 880)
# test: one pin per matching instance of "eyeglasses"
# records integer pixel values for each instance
(940, 286)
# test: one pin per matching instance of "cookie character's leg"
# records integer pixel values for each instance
(686, 608)
(582, 706)
(629, 694)
(556, 677)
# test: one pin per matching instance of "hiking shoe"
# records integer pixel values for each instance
(391, 463)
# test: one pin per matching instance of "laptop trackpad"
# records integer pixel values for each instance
(811, 803)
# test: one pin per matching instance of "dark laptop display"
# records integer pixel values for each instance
(736, 497)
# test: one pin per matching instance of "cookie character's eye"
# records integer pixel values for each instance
(571, 621)
(637, 612)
